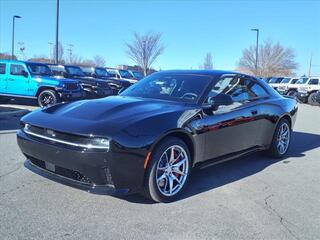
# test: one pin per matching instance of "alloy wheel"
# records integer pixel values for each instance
(172, 170)
(283, 138)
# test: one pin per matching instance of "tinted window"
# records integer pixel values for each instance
(285, 80)
(173, 87)
(39, 69)
(75, 71)
(302, 81)
(16, 69)
(294, 80)
(2, 68)
(314, 81)
(240, 89)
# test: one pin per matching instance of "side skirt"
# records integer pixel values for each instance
(229, 157)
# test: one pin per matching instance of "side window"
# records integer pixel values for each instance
(2, 68)
(314, 81)
(16, 69)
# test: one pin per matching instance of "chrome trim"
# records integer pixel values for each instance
(89, 146)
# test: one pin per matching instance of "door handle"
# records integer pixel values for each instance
(254, 112)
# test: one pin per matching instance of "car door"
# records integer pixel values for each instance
(3, 78)
(236, 127)
(17, 83)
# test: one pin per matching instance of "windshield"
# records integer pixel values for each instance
(76, 71)
(125, 74)
(39, 69)
(273, 80)
(285, 80)
(172, 87)
(102, 72)
(137, 75)
(302, 81)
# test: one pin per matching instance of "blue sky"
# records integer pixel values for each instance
(190, 28)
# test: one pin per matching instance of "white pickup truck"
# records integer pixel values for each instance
(307, 92)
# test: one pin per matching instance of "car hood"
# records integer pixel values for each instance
(103, 116)
(57, 79)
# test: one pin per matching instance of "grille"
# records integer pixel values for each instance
(103, 85)
(71, 86)
(75, 175)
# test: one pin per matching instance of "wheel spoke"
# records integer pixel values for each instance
(172, 155)
(177, 170)
(170, 184)
(175, 178)
(161, 177)
(178, 164)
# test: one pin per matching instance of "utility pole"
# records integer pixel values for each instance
(21, 49)
(257, 48)
(50, 51)
(57, 34)
(310, 65)
(70, 49)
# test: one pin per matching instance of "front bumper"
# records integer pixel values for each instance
(68, 96)
(302, 96)
(117, 173)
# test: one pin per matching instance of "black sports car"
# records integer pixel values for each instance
(149, 137)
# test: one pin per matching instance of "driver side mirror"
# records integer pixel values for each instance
(25, 74)
(219, 100)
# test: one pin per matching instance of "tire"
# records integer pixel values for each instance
(159, 168)
(292, 93)
(312, 99)
(275, 149)
(48, 98)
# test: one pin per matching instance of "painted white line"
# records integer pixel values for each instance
(9, 131)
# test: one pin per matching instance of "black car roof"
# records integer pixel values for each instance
(202, 72)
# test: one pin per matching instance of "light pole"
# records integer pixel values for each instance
(12, 50)
(257, 47)
(57, 34)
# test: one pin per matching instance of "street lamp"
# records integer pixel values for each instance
(12, 50)
(57, 34)
(257, 47)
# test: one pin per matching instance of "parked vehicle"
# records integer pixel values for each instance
(317, 97)
(20, 79)
(121, 74)
(101, 73)
(275, 82)
(266, 79)
(286, 86)
(136, 75)
(94, 88)
(307, 92)
(150, 137)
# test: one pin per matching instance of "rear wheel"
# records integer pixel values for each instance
(168, 171)
(312, 99)
(47, 98)
(281, 139)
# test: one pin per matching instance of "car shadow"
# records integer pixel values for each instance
(10, 117)
(203, 180)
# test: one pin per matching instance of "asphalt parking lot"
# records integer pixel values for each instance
(249, 198)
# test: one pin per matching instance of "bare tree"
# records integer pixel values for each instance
(99, 61)
(60, 52)
(145, 49)
(7, 56)
(273, 60)
(207, 63)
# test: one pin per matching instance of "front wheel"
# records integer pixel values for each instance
(281, 139)
(168, 170)
(47, 98)
(312, 99)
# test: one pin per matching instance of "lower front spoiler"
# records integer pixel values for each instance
(88, 187)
